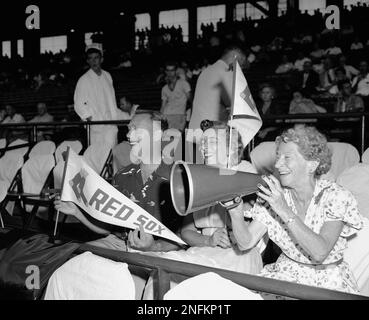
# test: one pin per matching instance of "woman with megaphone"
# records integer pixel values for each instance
(208, 231)
(308, 217)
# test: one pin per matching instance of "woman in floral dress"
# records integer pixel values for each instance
(307, 217)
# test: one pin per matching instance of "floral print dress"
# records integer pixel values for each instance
(330, 202)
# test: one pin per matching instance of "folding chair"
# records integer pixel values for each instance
(10, 165)
(99, 158)
(42, 148)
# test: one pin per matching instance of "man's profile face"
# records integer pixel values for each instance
(125, 105)
(94, 60)
(142, 135)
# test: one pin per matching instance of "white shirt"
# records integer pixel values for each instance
(299, 64)
(94, 97)
(175, 101)
(17, 118)
(123, 115)
(333, 51)
(363, 85)
(45, 118)
(212, 95)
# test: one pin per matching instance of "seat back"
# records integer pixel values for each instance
(21, 152)
(95, 156)
(344, 155)
(75, 145)
(90, 277)
(35, 172)
(210, 286)
(42, 148)
(357, 256)
(356, 179)
(263, 157)
(365, 156)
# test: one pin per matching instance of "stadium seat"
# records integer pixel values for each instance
(263, 157)
(356, 179)
(10, 164)
(42, 148)
(210, 286)
(357, 256)
(344, 156)
(365, 156)
(97, 156)
(75, 145)
(90, 277)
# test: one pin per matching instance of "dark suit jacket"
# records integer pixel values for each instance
(311, 83)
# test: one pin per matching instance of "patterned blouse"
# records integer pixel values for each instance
(330, 202)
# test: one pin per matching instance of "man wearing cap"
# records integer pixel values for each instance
(94, 98)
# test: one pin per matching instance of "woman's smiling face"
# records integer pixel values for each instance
(293, 168)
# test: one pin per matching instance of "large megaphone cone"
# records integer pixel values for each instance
(196, 186)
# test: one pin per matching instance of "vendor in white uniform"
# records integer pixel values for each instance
(94, 98)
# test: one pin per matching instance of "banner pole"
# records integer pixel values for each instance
(61, 191)
(231, 114)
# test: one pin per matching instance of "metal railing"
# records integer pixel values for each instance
(165, 270)
(280, 120)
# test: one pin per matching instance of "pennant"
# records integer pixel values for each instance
(244, 117)
(83, 186)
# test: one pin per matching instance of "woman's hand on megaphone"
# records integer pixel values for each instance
(220, 238)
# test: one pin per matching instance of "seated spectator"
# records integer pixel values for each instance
(346, 100)
(340, 75)
(285, 67)
(326, 75)
(12, 116)
(268, 106)
(71, 115)
(301, 104)
(208, 231)
(126, 109)
(147, 184)
(300, 61)
(308, 79)
(317, 53)
(350, 71)
(332, 50)
(360, 83)
(2, 115)
(308, 218)
(43, 116)
(356, 44)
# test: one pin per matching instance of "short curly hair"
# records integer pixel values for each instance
(312, 145)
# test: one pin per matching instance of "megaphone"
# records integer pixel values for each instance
(196, 186)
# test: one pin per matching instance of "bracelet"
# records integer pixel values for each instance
(290, 220)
